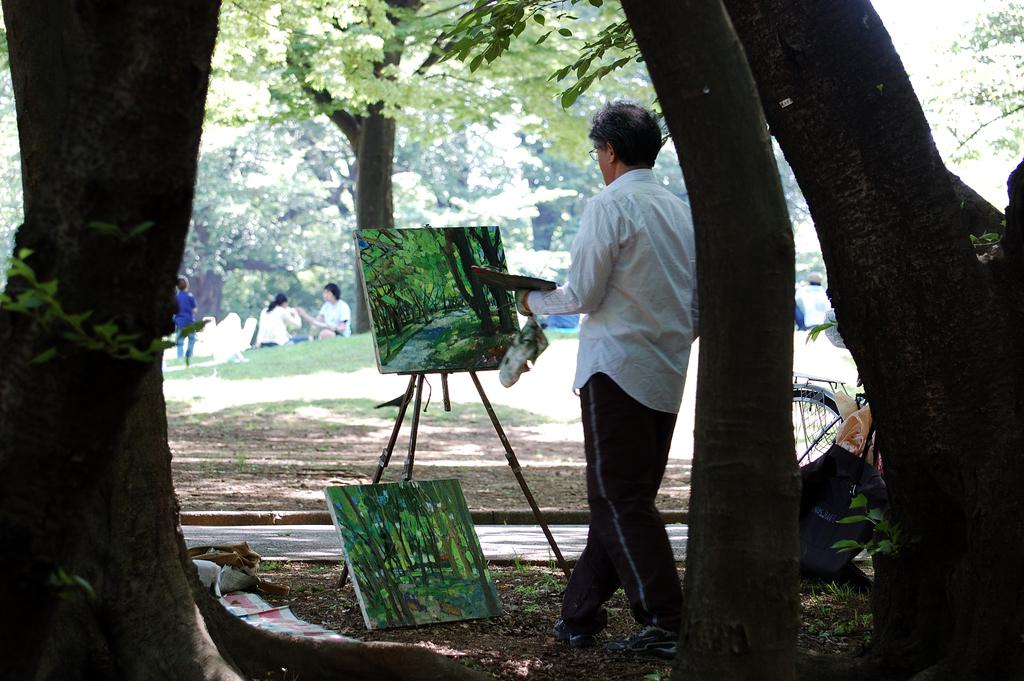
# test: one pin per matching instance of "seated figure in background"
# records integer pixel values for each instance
(275, 320)
(333, 317)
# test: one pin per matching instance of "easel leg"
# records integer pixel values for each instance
(385, 456)
(407, 469)
(513, 463)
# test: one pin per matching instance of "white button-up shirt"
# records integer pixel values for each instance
(634, 274)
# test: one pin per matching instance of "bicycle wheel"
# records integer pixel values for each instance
(816, 421)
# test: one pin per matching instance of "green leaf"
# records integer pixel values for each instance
(565, 32)
(569, 97)
(815, 331)
(106, 330)
(539, 18)
(106, 228)
(141, 228)
(44, 356)
(848, 520)
(859, 501)
(23, 253)
(847, 545)
(77, 319)
(876, 514)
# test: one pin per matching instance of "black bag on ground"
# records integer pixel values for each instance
(829, 485)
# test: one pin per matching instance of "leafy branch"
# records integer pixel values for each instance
(39, 301)
(485, 33)
(815, 331)
(890, 535)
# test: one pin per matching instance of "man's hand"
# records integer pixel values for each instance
(521, 304)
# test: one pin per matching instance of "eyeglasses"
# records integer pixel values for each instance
(593, 153)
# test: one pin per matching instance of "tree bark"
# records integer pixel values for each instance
(208, 288)
(741, 608)
(543, 226)
(375, 155)
(930, 327)
(110, 108)
(110, 99)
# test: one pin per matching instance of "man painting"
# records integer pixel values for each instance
(633, 274)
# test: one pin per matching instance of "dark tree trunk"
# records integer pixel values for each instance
(935, 333)
(110, 103)
(375, 154)
(543, 226)
(208, 288)
(110, 108)
(741, 605)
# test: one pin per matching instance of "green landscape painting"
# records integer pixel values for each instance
(413, 553)
(429, 311)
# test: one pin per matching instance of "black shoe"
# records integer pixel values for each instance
(651, 640)
(575, 640)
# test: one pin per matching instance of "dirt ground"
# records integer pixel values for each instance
(279, 453)
(233, 460)
(519, 644)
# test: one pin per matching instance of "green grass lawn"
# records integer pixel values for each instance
(341, 355)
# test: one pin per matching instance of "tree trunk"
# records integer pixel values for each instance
(930, 327)
(741, 607)
(543, 226)
(110, 103)
(375, 154)
(208, 288)
(110, 109)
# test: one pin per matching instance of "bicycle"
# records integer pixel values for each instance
(816, 418)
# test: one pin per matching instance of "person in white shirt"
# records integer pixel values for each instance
(334, 315)
(275, 320)
(812, 301)
(633, 274)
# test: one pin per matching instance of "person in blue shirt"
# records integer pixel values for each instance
(186, 316)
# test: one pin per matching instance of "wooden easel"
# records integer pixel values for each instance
(414, 393)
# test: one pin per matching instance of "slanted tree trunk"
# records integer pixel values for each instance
(110, 100)
(741, 604)
(934, 331)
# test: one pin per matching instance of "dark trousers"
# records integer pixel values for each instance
(627, 447)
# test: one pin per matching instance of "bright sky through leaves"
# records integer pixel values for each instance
(922, 31)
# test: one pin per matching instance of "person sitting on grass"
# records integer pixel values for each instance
(333, 317)
(275, 321)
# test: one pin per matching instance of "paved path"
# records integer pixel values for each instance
(500, 543)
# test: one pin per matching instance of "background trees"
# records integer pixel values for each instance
(927, 322)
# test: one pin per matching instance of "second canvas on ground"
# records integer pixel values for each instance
(413, 553)
(429, 311)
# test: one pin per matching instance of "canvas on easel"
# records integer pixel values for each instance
(429, 311)
(412, 552)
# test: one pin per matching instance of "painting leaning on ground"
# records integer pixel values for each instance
(413, 553)
(429, 311)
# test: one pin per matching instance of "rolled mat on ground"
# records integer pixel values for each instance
(257, 612)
